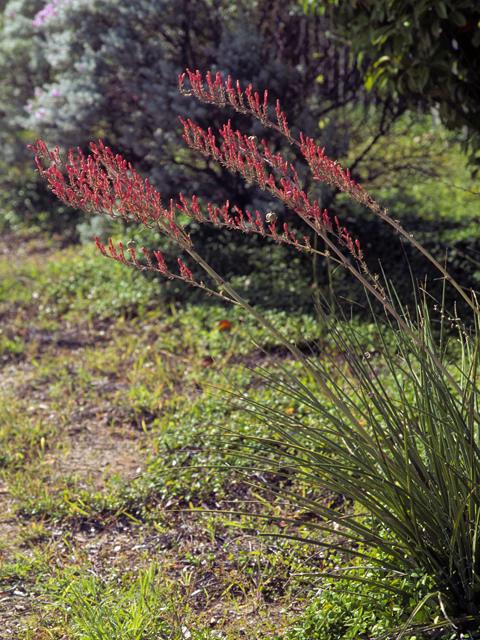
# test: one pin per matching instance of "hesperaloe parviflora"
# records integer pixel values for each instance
(401, 448)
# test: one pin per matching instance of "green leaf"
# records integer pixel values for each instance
(441, 9)
(476, 37)
(381, 61)
(458, 19)
(369, 82)
(423, 75)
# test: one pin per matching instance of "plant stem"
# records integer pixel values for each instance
(281, 338)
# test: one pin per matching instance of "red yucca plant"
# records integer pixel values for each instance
(412, 462)
(105, 183)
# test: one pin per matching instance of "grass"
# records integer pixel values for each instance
(119, 516)
(109, 476)
(118, 512)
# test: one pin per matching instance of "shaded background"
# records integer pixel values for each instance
(394, 97)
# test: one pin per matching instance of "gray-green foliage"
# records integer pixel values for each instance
(23, 199)
(75, 71)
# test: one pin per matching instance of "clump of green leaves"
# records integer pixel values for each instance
(80, 284)
(419, 50)
(117, 610)
(350, 608)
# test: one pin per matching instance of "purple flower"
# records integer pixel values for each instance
(49, 11)
(55, 93)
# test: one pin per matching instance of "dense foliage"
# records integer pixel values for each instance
(426, 50)
(77, 71)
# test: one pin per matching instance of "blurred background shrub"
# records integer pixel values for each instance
(76, 70)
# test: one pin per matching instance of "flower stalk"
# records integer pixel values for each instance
(106, 183)
(412, 462)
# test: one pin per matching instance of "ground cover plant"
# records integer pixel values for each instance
(101, 419)
(94, 411)
(408, 458)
